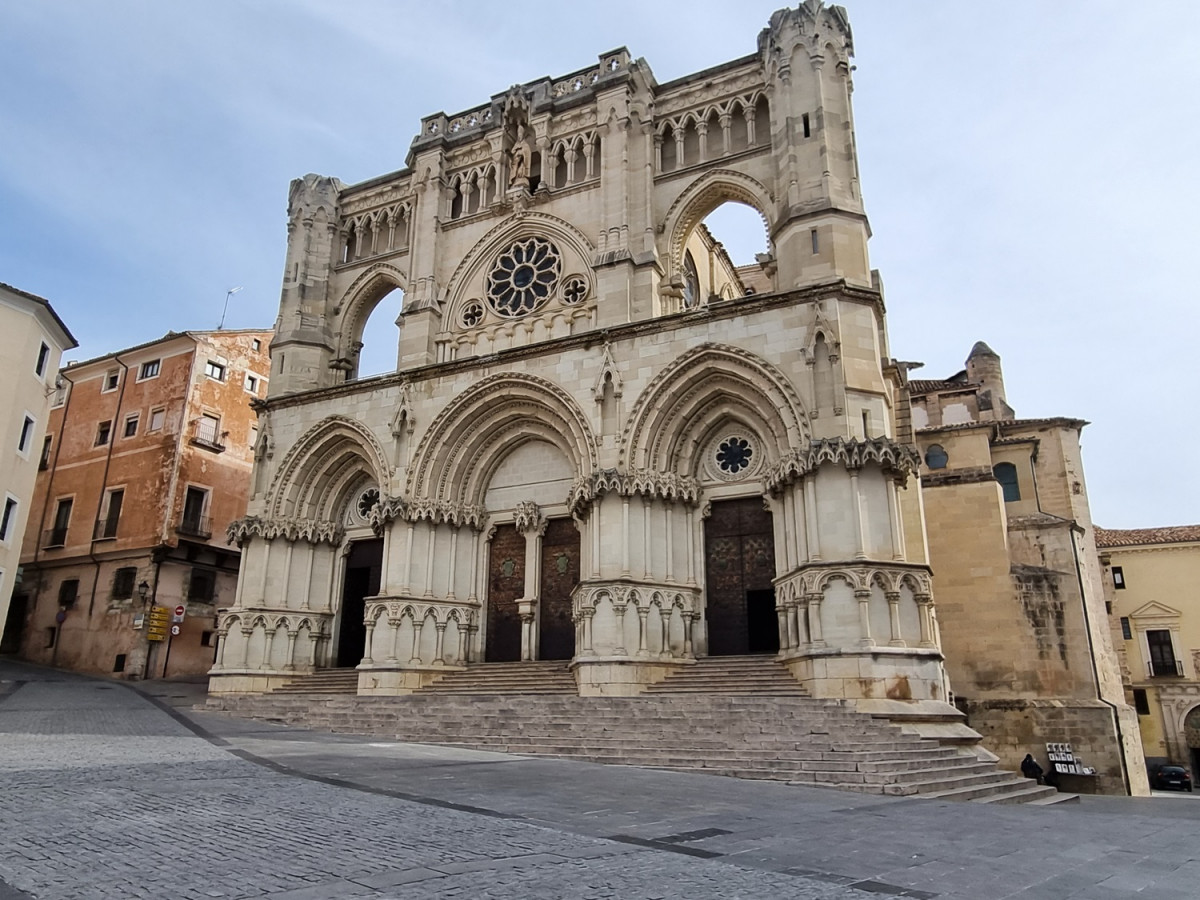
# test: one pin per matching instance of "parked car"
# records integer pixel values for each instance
(1171, 778)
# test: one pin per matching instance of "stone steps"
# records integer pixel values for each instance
(498, 679)
(755, 675)
(322, 681)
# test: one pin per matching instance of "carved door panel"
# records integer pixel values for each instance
(364, 567)
(506, 585)
(739, 565)
(560, 575)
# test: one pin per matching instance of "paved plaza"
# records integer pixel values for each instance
(113, 792)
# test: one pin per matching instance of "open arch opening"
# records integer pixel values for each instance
(736, 239)
(376, 348)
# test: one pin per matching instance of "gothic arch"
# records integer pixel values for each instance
(704, 195)
(360, 300)
(313, 477)
(689, 397)
(472, 435)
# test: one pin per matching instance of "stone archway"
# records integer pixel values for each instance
(739, 565)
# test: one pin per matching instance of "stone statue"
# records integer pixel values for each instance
(519, 169)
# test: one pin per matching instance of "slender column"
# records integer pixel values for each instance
(244, 661)
(787, 518)
(748, 115)
(860, 540)
(643, 619)
(814, 620)
(594, 520)
(680, 162)
(287, 575)
(430, 543)
(665, 616)
(464, 635)
(625, 537)
(406, 584)
(473, 597)
(670, 544)
(690, 518)
(647, 543)
(689, 620)
(893, 493)
(893, 599)
(305, 603)
(798, 517)
(726, 142)
(785, 638)
(802, 622)
(864, 617)
(587, 612)
(221, 636)
(810, 516)
(619, 612)
(368, 644)
(793, 624)
(262, 581)
(314, 639)
(416, 643)
(925, 608)
(243, 580)
(702, 131)
(291, 650)
(439, 648)
(395, 624)
(658, 141)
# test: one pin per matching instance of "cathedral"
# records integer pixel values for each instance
(603, 442)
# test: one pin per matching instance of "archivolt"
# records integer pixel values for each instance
(360, 300)
(696, 392)
(335, 452)
(704, 195)
(469, 437)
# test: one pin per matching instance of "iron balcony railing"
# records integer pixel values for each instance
(54, 537)
(207, 433)
(195, 526)
(105, 530)
(1166, 668)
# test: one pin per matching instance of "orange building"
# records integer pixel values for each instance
(146, 460)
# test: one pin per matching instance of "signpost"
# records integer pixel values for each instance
(177, 615)
(156, 623)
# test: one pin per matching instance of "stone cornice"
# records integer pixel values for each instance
(270, 529)
(944, 478)
(895, 459)
(658, 485)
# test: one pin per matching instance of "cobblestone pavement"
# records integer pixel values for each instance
(105, 795)
(108, 794)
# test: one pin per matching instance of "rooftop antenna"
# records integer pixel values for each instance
(229, 293)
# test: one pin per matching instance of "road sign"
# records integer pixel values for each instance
(179, 610)
(174, 629)
(156, 623)
(60, 616)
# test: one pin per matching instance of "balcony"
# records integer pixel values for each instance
(54, 537)
(1165, 668)
(206, 433)
(195, 526)
(105, 530)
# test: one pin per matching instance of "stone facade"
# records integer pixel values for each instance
(32, 341)
(603, 441)
(147, 461)
(1151, 574)
(1021, 602)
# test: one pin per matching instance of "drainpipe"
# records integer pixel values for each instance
(37, 545)
(112, 442)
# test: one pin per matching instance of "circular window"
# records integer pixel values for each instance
(733, 455)
(574, 290)
(472, 313)
(936, 457)
(523, 277)
(367, 501)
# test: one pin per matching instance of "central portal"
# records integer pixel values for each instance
(560, 575)
(739, 567)
(364, 566)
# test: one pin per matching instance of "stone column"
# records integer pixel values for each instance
(814, 620)
(860, 542)
(811, 518)
(367, 643)
(292, 634)
(415, 659)
(530, 522)
(925, 608)
(864, 617)
(896, 521)
(893, 599)
(439, 649)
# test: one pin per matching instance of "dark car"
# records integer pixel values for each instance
(1171, 778)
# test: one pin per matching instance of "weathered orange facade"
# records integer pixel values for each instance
(146, 461)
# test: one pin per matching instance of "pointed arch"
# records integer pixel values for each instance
(333, 455)
(704, 195)
(470, 437)
(707, 385)
(360, 300)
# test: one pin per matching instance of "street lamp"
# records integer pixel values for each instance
(229, 293)
(143, 590)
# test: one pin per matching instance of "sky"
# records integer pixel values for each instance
(1029, 170)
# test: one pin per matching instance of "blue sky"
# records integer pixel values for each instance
(1029, 169)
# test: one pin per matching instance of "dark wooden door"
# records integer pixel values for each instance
(506, 585)
(739, 566)
(560, 575)
(364, 566)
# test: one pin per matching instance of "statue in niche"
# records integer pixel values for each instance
(521, 153)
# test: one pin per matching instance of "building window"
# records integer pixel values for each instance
(8, 517)
(206, 431)
(1118, 578)
(156, 419)
(251, 384)
(691, 282)
(214, 370)
(1162, 653)
(123, 580)
(68, 593)
(44, 462)
(1140, 702)
(57, 536)
(26, 434)
(149, 369)
(936, 457)
(816, 241)
(131, 424)
(1006, 474)
(42, 358)
(201, 586)
(103, 433)
(112, 378)
(194, 521)
(106, 528)
(1126, 630)
(256, 345)
(51, 636)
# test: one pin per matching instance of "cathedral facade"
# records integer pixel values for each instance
(603, 443)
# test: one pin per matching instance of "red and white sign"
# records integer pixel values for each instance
(179, 610)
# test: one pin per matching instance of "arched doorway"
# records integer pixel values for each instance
(739, 566)
(559, 576)
(364, 566)
(1191, 737)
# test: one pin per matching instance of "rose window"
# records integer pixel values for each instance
(523, 277)
(733, 455)
(367, 501)
(472, 313)
(574, 290)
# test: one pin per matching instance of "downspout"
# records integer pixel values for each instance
(37, 545)
(112, 442)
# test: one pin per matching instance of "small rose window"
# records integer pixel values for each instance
(524, 276)
(472, 313)
(734, 454)
(367, 501)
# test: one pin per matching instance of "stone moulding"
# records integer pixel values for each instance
(655, 485)
(895, 459)
(312, 531)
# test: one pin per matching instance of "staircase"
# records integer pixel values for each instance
(738, 716)
(733, 675)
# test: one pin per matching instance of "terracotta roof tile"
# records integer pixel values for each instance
(1134, 537)
(930, 386)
